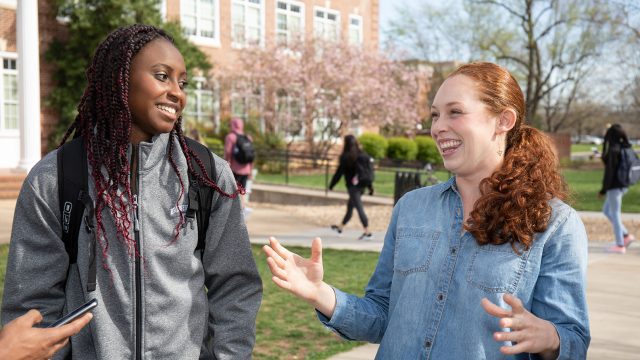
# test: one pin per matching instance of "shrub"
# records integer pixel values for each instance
(427, 150)
(269, 141)
(402, 149)
(213, 143)
(373, 144)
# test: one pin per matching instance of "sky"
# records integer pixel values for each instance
(387, 12)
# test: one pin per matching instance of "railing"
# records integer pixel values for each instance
(300, 168)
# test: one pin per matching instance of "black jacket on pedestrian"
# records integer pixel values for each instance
(348, 169)
(611, 159)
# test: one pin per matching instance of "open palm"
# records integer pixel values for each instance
(300, 276)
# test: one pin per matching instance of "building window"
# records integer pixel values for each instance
(9, 113)
(247, 107)
(355, 30)
(162, 7)
(203, 106)
(289, 116)
(326, 24)
(9, 4)
(200, 20)
(289, 21)
(247, 22)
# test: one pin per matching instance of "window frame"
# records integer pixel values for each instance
(360, 29)
(214, 91)
(4, 55)
(246, 3)
(288, 13)
(198, 39)
(326, 20)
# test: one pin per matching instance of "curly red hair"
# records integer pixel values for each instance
(514, 202)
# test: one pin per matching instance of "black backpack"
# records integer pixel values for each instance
(243, 151)
(74, 199)
(628, 167)
(365, 170)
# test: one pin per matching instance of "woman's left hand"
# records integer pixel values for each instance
(529, 333)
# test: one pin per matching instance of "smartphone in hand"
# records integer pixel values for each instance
(75, 313)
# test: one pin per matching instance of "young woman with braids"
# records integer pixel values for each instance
(489, 265)
(158, 296)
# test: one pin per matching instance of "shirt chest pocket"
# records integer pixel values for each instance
(414, 249)
(497, 268)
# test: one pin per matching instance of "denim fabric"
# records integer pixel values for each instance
(423, 300)
(612, 208)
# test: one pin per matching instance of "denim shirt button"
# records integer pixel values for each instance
(440, 297)
(427, 344)
(453, 251)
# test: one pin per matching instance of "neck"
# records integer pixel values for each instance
(469, 189)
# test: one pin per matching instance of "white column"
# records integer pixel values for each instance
(28, 83)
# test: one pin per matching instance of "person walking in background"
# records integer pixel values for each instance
(613, 188)
(351, 159)
(163, 293)
(489, 265)
(239, 152)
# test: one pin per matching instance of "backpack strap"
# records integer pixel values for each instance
(200, 196)
(74, 199)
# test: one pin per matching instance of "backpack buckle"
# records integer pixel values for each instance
(194, 203)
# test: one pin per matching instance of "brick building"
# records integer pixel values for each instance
(217, 27)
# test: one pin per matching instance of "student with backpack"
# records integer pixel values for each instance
(169, 285)
(357, 168)
(618, 158)
(240, 153)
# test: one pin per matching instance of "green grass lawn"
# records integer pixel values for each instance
(383, 184)
(588, 147)
(287, 328)
(584, 147)
(584, 185)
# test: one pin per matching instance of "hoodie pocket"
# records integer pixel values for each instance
(414, 249)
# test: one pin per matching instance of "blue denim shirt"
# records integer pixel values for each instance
(423, 300)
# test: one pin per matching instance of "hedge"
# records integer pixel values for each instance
(373, 144)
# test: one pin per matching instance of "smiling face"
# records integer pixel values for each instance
(156, 90)
(469, 137)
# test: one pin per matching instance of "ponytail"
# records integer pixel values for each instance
(514, 202)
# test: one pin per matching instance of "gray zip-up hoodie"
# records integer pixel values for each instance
(178, 317)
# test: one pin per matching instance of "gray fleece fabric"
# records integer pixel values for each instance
(180, 318)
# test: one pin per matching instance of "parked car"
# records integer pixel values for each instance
(587, 139)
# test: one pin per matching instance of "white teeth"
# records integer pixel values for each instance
(168, 109)
(445, 145)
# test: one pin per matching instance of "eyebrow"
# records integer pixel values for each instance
(168, 67)
(448, 104)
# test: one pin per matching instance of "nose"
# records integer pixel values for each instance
(437, 127)
(176, 94)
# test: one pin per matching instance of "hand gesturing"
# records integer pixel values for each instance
(300, 276)
(529, 333)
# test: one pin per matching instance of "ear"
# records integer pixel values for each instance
(506, 121)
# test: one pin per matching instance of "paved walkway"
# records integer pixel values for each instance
(613, 287)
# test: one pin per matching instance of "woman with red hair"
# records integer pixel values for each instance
(488, 265)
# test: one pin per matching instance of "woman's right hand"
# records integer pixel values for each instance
(302, 277)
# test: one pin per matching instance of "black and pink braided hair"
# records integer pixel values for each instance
(104, 121)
